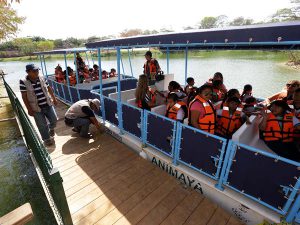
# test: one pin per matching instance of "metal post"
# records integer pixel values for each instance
(45, 66)
(92, 58)
(294, 210)
(119, 91)
(144, 129)
(122, 65)
(186, 64)
(77, 79)
(87, 59)
(224, 167)
(42, 65)
(129, 58)
(168, 60)
(67, 76)
(100, 87)
(59, 196)
(176, 147)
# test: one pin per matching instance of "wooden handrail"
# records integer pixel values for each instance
(19, 216)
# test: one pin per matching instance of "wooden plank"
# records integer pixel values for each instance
(165, 207)
(106, 174)
(19, 216)
(234, 221)
(135, 199)
(118, 195)
(183, 210)
(144, 207)
(220, 217)
(88, 195)
(202, 213)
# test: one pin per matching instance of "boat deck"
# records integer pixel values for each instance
(107, 183)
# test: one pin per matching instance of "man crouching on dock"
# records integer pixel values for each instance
(81, 114)
(35, 94)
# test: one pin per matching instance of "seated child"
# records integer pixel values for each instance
(59, 75)
(230, 118)
(104, 74)
(95, 75)
(278, 128)
(175, 87)
(113, 72)
(176, 109)
(247, 92)
(250, 106)
(218, 93)
(190, 86)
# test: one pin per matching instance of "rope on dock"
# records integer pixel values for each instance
(7, 119)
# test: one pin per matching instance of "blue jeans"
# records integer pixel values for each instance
(48, 113)
(82, 124)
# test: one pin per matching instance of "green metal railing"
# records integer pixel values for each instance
(34, 144)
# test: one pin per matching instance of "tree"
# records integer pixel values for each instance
(166, 30)
(9, 21)
(188, 28)
(25, 45)
(240, 21)
(131, 32)
(147, 32)
(222, 21)
(45, 45)
(38, 38)
(58, 43)
(287, 14)
(208, 22)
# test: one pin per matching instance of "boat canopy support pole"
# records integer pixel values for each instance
(87, 59)
(100, 86)
(92, 58)
(168, 60)
(45, 66)
(67, 76)
(119, 91)
(77, 77)
(186, 64)
(121, 60)
(42, 65)
(129, 59)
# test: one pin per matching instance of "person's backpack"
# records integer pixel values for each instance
(160, 76)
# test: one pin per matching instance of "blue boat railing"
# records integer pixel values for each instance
(232, 165)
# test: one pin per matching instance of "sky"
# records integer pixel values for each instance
(81, 19)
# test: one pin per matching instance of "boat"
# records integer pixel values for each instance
(241, 174)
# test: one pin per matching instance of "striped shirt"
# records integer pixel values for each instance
(42, 101)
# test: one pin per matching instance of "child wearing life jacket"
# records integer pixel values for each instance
(218, 76)
(230, 118)
(229, 94)
(201, 112)
(190, 86)
(278, 130)
(95, 75)
(176, 110)
(218, 93)
(174, 87)
(104, 74)
(249, 106)
(113, 72)
(247, 93)
(145, 97)
(59, 75)
(72, 78)
(86, 75)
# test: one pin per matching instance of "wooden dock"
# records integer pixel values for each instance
(107, 183)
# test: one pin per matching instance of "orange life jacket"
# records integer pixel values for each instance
(152, 97)
(172, 111)
(207, 123)
(150, 67)
(296, 132)
(72, 80)
(274, 132)
(227, 125)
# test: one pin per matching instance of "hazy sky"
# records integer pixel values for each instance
(81, 19)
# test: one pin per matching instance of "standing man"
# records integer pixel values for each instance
(81, 114)
(151, 67)
(36, 94)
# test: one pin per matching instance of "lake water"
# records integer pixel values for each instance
(264, 70)
(19, 182)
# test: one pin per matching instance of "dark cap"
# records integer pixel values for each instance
(148, 53)
(30, 67)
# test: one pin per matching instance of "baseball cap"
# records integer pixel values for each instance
(30, 67)
(96, 102)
